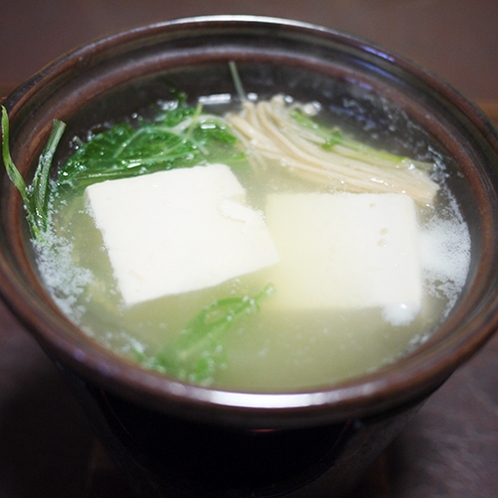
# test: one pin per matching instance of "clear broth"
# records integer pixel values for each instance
(268, 351)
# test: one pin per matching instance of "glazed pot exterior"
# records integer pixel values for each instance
(163, 456)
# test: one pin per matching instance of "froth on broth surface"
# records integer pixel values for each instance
(276, 342)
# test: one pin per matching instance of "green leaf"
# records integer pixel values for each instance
(179, 137)
(13, 173)
(35, 197)
(39, 189)
(198, 352)
(335, 139)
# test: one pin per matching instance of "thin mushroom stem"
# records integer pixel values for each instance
(274, 138)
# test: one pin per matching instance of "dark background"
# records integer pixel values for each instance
(47, 448)
(457, 39)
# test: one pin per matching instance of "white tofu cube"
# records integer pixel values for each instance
(178, 231)
(346, 251)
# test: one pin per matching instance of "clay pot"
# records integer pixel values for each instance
(175, 439)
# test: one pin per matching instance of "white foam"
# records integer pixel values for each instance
(445, 256)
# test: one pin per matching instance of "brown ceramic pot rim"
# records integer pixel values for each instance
(405, 382)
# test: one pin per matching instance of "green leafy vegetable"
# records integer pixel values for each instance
(179, 137)
(329, 139)
(198, 352)
(36, 196)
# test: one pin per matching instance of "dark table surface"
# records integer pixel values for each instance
(450, 449)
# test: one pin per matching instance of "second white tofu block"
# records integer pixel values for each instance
(178, 231)
(346, 251)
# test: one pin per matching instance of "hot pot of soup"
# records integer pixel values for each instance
(252, 246)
